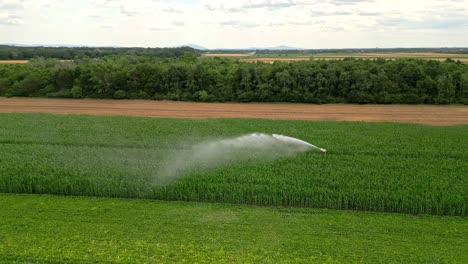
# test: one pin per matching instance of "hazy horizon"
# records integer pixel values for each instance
(329, 24)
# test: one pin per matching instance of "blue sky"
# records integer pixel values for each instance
(237, 24)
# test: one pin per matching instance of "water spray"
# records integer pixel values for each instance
(286, 138)
(210, 154)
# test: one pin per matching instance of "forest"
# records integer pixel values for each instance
(190, 78)
(70, 53)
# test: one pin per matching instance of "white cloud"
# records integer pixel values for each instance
(236, 24)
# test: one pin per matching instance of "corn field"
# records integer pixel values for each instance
(385, 167)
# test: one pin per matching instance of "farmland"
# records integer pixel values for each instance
(303, 56)
(375, 167)
(421, 114)
(366, 56)
(251, 131)
(52, 229)
(300, 56)
(13, 61)
(24, 61)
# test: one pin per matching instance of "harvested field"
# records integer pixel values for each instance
(14, 61)
(226, 54)
(338, 56)
(415, 54)
(23, 61)
(271, 60)
(422, 114)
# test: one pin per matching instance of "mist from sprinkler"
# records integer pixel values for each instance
(211, 154)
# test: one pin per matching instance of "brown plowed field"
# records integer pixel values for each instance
(423, 114)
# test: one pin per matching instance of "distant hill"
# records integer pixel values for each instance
(282, 47)
(194, 46)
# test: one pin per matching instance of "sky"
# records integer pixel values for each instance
(315, 24)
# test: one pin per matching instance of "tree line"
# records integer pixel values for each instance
(190, 78)
(71, 53)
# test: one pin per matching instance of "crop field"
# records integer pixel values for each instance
(55, 229)
(234, 132)
(301, 56)
(383, 167)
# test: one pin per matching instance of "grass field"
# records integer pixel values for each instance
(54, 229)
(370, 166)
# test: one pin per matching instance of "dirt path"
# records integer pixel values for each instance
(423, 114)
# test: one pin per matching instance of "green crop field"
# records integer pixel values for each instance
(54, 229)
(384, 167)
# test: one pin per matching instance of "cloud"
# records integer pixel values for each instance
(444, 24)
(270, 4)
(370, 13)
(348, 2)
(178, 23)
(11, 5)
(125, 11)
(428, 23)
(158, 29)
(172, 10)
(11, 20)
(94, 16)
(237, 24)
(336, 13)
(243, 6)
(307, 23)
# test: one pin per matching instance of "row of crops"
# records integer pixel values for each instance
(377, 167)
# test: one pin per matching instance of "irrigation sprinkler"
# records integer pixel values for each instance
(298, 141)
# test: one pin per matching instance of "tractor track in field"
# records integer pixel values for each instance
(421, 114)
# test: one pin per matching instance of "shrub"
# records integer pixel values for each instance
(63, 93)
(120, 94)
(77, 92)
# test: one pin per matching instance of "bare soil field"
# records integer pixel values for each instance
(422, 114)
(14, 61)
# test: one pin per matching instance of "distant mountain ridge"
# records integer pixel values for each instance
(281, 47)
(193, 46)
